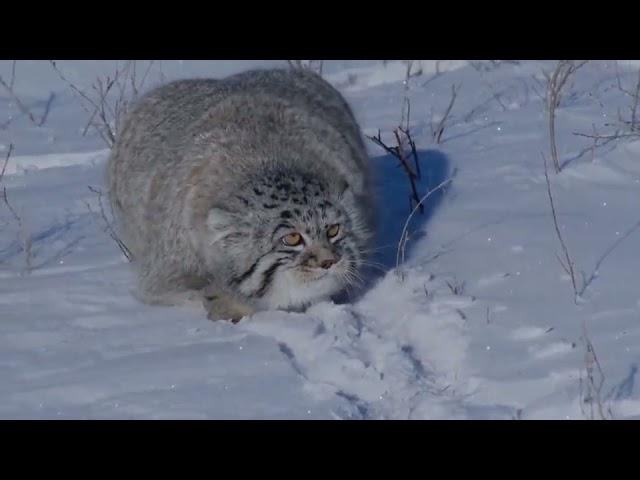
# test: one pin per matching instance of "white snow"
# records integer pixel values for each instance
(480, 322)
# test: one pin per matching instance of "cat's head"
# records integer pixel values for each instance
(291, 239)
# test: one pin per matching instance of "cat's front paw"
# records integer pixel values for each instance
(220, 306)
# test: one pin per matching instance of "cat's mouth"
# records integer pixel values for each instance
(304, 285)
(312, 274)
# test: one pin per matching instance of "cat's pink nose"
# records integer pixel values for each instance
(326, 264)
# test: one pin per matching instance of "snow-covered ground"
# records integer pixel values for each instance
(482, 323)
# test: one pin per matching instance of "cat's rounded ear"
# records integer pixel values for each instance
(220, 224)
(346, 193)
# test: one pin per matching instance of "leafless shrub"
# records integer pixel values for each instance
(437, 74)
(404, 148)
(496, 95)
(411, 71)
(633, 122)
(405, 116)
(109, 98)
(539, 89)
(556, 81)
(597, 141)
(404, 237)
(312, 65)
(37, 120)
(6, 161)
(602, 139)
(591, 401)
(587, 281)
(489, 65)
(565, 261)
(626, 127)
(107, 224)
(438, 129)
(13, 73)
(25, 241)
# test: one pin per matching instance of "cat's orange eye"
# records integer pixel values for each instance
(333, 230)
(292, 239)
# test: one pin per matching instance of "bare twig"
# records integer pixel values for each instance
(22, 107)
(591, 393)
(6, 161)
(163, 77)
(86, 102)
(599, 137)
(5, 196)
(405, 116)
(24, 238)
(110, 98)
(414, 152)
(633, 122)
(404, 237)
(634, 105)
(136, 88)
(13, 73)
(20, 104)
(556, 81)
(489, 65)
(435, 75)
(496, 95)
(399, 152)
(625, 128)
(567, 264)
(539, 89)
(47, 108)
(406, 104)
(436, 133)
(108, 227)
(609, 251)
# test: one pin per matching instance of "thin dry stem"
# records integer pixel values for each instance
(404, 237)
(591, 393)
(567, 263)
(108, 227)
(21, 106)
(556, 81)
(24, 237)
(109, 101)
(399, 152)
(437, 132)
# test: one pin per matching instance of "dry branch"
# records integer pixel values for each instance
(624, 128)
(38, 122)
(566, 263)
(436, 133)
(109, 98)
(24, 238)
(108, 227)
(400, 153)
(556, 82)
(591, 393)
(632, 124)
(404, 237)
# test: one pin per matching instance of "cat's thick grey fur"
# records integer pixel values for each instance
(206, 176)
